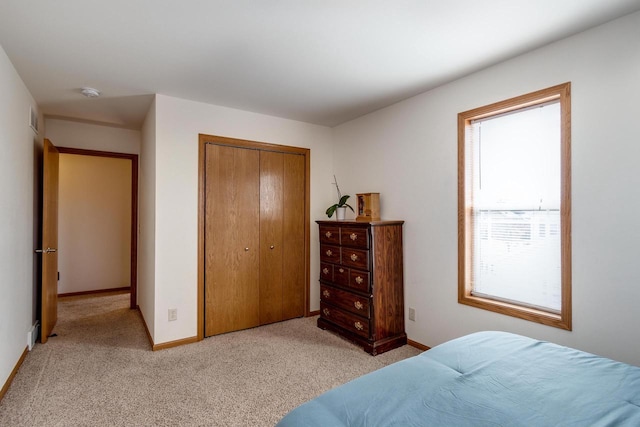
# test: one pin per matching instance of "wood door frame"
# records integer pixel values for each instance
(134, 209)
(203, 139)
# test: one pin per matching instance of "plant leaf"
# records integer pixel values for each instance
(343, 201)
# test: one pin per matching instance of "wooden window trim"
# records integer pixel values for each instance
(562, 320)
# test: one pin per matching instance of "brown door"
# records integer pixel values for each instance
(271, 223)
(232, 228)
(293, 238)
(282, 265)
(49, 295)
(254, 234)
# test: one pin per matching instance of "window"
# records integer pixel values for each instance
(514, 207)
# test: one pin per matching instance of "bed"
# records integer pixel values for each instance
(484, 379)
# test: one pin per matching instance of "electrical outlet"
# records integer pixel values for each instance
(173, 314)
(412, 314)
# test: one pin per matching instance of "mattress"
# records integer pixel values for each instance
(484, 379)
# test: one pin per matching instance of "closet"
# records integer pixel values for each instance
(255, 234)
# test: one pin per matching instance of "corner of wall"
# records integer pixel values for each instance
(147, 221)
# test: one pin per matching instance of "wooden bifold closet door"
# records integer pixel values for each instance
(255, 266)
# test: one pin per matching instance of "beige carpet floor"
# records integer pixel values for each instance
(100, 371)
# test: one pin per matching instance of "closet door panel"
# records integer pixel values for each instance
(232, 228)
(294, 264)
(271, 249)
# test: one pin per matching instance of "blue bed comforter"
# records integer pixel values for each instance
(484, 379)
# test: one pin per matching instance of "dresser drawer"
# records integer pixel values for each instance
(326, 271)
(341, 275)
(359, 280)
(330, 235)
(354, 236)
(346, 300)
(352, 322)
(357, 258)
(329, 253)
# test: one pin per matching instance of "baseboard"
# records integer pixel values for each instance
(418, 345)
(176, 343)
(165, 345)
(122, 290)
(314, 313)
(7, 383)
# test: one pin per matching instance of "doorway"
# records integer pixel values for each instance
(99, 245)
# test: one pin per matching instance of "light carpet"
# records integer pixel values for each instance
(100, 371)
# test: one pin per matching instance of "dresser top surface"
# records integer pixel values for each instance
(361, 223)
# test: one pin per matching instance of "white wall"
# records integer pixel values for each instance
(20, 148)
(147, 219)
(94, 223)
(178, 123)
(407, 152)
(89, 136)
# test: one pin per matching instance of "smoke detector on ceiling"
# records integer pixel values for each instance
(90, 92)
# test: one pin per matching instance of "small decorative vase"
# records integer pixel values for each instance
(340, 213)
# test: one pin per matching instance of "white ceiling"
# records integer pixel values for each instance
(318, 61)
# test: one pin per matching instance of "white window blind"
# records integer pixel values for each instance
(515, 173)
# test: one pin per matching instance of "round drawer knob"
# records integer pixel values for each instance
(341, 270)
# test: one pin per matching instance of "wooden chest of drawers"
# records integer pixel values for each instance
(361, 282)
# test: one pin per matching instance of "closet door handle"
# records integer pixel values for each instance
(246, 249)
(271, 247)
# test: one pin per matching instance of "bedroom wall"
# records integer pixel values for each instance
(147, 219)
(90, 136)
(407, 152)
(94, 223)
(19, 203)
(178, 123)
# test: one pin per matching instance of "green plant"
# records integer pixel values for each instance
(342, 201)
